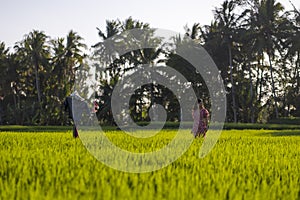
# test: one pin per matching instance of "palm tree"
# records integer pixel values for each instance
(194, 32)
(227, 22)
(60, 86)
(192, 38)
(115, 65)
(266, 20)
(31, 57)
(3, 67)
(74, 56)
(37, 54)
(246, 59)
(4, 80)
(293, 55)
(143, 55)
(293, 44)
(112, 28)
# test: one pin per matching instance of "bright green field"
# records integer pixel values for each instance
(244, 164)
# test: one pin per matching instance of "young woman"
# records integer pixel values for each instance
(201, 116)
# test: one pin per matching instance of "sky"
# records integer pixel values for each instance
(57, 17)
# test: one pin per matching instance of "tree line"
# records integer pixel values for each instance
(255, 45)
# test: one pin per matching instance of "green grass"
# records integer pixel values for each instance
(167, 125)
(244, 164)
(286, 120)
(241, 126)
(19, 128)
(53, 129)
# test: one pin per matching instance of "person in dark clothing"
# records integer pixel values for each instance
(79, 111)
(68, 108)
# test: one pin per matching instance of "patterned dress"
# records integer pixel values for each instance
(200, 126)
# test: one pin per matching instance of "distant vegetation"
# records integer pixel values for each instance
(255, 45)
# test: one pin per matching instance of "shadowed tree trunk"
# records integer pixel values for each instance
(37, 81)
(232, 84)
(273, 86)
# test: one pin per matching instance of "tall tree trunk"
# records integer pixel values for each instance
(16, 109)
(37, 82)
(297, 73)
(297, 105)
(232, 84)
(261, 82)
(251, 95)
(285, 112)
(257, 80)
(273, 85)
(1, 111)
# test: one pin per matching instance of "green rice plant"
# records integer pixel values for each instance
(244, 164)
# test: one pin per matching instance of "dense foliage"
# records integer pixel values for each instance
(255, 45)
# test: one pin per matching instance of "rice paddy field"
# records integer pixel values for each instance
(244, 164)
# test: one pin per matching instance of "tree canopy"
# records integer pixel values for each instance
(255, 45)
